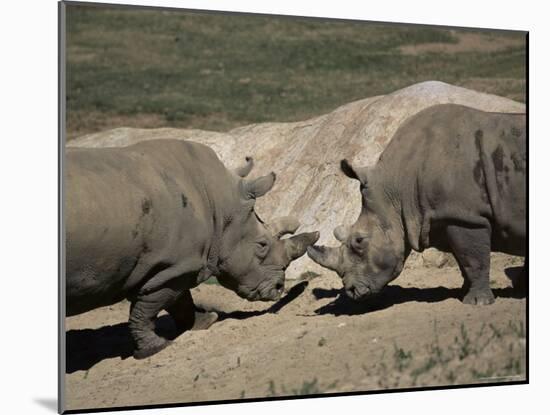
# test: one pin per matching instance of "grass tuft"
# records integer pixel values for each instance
(151, 68)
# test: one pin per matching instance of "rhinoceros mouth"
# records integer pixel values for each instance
(270, 289)
(275, 292)
(364, 288)
(359, 291)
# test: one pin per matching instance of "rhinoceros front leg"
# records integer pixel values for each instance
(187, 316)
(143, 313)
(472, 249)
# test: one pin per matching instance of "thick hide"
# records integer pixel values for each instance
(453, 178)
(150, 221)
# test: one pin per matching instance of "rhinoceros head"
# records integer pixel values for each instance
(253, 254)
(372, 252)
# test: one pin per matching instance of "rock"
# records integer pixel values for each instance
(306, 154)
(430, 258)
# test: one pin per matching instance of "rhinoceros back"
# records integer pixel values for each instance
(133, 210)
(454, 163)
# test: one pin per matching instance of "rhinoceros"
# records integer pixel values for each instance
(150, 221)
(453, 178)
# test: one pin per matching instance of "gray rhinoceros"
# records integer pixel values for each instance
(453, 178)
(150, 221)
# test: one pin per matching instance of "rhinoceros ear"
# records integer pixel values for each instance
(258, 187)
(341, 233)
(296, 246)
(358, 173)
(245, 169)
(284, 225)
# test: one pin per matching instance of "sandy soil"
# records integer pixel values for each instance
(313, 341)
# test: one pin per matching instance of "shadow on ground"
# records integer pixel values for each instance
(518, 277)
(87, 347)
(394, 295)
(292, 294)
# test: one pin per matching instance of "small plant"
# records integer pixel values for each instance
(464, 343)
(462, 361)
(426, 367)
(271, 389)
(513, 367)
(518, 329)
(402, 358)
(451, 377)
(496, 332)
(308, 388)
(212, 281)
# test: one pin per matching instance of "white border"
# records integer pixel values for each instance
(29, 202)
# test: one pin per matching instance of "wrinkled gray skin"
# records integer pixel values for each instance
(150, 221)
(452, 178)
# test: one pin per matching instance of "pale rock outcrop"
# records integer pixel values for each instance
(306, 155)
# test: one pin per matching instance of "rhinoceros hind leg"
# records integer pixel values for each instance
(183, 312)
(188, 317)
(143, 313)
(472, 248)
(152, 349)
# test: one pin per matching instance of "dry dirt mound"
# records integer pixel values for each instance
(306, 155)
(312, 341)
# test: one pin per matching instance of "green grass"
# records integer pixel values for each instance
(489, 354)
(212, 281)
(153, 68)
(307, 388)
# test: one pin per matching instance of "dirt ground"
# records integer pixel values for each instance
(417, 333)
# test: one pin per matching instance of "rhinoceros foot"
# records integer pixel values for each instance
(152, 349)
(204, 319)
(479, 297)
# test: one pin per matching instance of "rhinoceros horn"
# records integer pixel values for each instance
(242, 171)
(296, 245)
(284, 225)
(325, 256)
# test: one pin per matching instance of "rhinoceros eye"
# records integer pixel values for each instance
(358, 243)
(262, 247)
